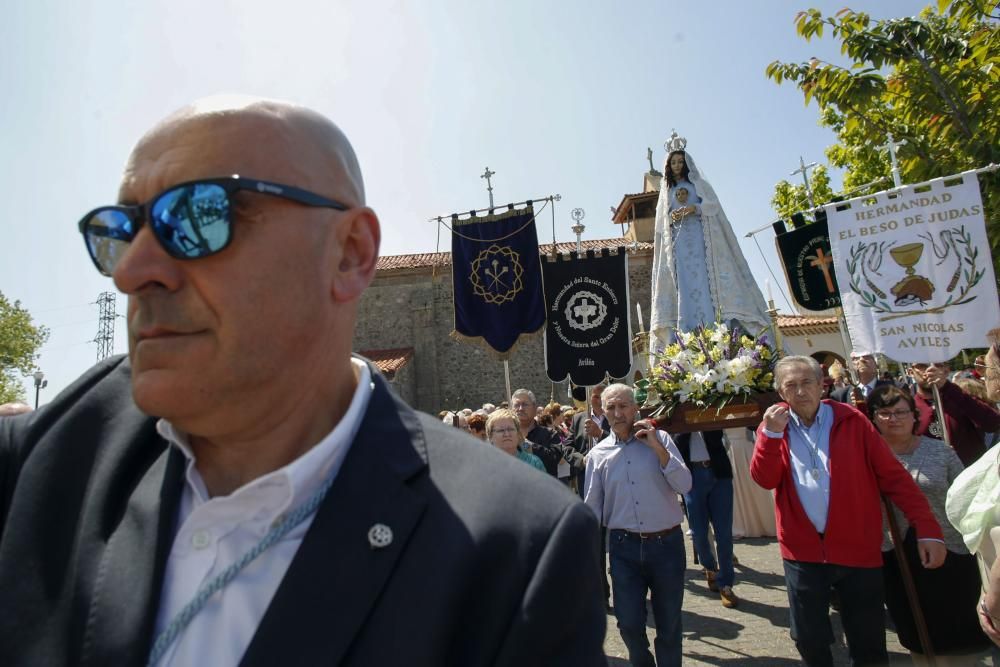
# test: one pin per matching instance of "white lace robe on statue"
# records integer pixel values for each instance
(734, 291)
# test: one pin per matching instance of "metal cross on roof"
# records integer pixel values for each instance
(804, 170)
(489, 184)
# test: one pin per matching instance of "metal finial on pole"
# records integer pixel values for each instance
(804, 170)
(891, 145)
(578, 214)
(489, 184)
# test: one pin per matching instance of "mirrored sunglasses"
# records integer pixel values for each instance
(190, 220)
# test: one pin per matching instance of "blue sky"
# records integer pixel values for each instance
(555, 97)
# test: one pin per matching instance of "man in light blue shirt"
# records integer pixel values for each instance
(632, 480)
(829, 467)
(810, 458)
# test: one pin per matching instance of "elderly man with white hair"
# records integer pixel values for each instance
(829, 468)
(632, 480)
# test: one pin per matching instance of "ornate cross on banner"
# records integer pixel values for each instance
(822, 261)
(804, 170)
(585, 311)
(489, 184)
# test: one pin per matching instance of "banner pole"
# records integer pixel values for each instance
(908, 585)
(506, 377)
(940, 410)
(845, 338)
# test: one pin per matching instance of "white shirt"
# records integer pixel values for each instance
(699, 450)
(867, 389)
(215, 532)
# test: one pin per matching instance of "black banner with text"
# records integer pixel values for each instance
(805, 254)
(587, 335)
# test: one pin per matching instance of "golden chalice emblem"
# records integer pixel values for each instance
(912, 288)
(908, 255)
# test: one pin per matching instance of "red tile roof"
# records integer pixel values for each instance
(389, 361)
(419, 260)
(807, 324)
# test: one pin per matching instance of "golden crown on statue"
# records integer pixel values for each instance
(675, 142)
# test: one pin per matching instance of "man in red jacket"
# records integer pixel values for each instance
(828, 466)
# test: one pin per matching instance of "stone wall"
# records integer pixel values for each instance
(405, 383)
(412, 307)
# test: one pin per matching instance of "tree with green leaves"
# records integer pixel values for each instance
(19, 343)
(932, 81)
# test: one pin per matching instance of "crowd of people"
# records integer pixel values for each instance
(882, 433)
(546, 432)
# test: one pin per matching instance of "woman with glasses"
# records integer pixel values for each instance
(948, 595)
(504, 433)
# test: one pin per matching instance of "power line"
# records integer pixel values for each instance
(52, 310)
(777, 282)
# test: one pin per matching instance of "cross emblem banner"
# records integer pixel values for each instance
(587, 336)
(497, 279)
(808, 262)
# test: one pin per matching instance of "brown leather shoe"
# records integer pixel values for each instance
(729, 599)
(710, 578)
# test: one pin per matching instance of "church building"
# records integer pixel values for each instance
(406, 317)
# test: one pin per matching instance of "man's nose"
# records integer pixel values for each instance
(146, 263)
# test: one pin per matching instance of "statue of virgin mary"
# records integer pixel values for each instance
(700, 275)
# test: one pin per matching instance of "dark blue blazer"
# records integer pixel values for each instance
(492, 562)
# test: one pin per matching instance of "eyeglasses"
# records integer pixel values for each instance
(504, 431)
(886, 415)
(190, 220)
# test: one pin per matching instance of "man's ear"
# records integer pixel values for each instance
(357, 239)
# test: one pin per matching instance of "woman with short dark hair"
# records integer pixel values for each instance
(948, 594)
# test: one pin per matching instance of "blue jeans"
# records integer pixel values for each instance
(711, 500)
(655, 565)
(861, 611)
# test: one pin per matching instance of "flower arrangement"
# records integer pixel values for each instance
(711, 367)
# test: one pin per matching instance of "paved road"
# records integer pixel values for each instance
(756, 633)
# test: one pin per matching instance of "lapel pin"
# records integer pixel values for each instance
(379, 536)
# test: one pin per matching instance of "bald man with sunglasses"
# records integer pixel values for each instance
(241, 489)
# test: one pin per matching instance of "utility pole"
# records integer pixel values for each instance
(105, 338)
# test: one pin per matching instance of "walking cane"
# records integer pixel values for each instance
(908, 585)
